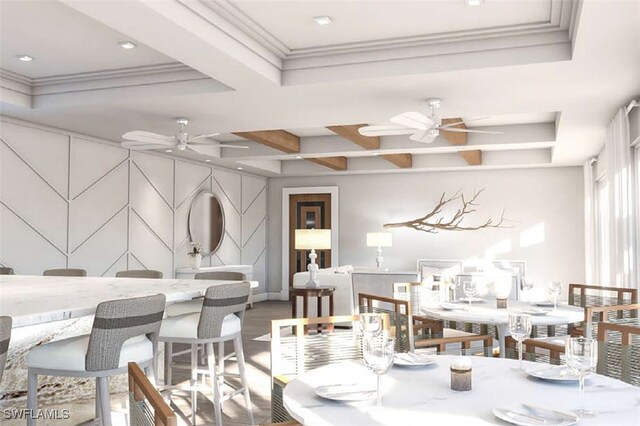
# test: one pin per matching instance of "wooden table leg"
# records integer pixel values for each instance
(319, 313)
(330, 312)
(294, 311)
(305, 311)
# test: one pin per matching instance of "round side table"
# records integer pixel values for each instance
(306, 293)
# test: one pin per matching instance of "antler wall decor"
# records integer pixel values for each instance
(432, 224)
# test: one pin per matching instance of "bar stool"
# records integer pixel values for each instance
(123, 330)
(139, 273)
(65, 273)
(4, 270)
(219, 321)
(5, 337)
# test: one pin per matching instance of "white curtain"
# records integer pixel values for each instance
(589, 222)
(621, 202)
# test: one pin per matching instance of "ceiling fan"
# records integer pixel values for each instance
(421, 127)
(142, 140)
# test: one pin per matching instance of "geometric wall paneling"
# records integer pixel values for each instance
(150, 206)
(255, 245)
(188, 178)
(33, 199)
(231, 184)
(251, 188)
(98, 204)
(19, 244)
(134, 263)
(105, 247)
(232, 217)
(181, 217)
(147, 247)
(158, 170)
(260, 270)
(254, 216)
(90, 161)
(229, 252)
(46, 152)
(120, 265)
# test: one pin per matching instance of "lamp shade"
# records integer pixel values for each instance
(308, 239)
(379, 239)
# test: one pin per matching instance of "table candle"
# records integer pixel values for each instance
(461, 374)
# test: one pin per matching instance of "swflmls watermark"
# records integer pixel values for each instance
(40, 414)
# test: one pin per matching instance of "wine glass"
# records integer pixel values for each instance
(470, 290)
(378, 357)
(519, 328)
(555, 289)
(582, 357)
(370, 324)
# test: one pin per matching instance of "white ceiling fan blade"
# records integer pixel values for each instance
(148, 137)
(413, 119)
(456, 130)
(142, 146)
(422, 136)
(205, 136)
(385, 130)
(217, 145)
(463, 122)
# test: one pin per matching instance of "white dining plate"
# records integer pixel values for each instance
(346, 392)
(451, 307)
(471, 299)
(544, 304)
(413, 360)
(534, 312)
(524, 417)
(560, 373)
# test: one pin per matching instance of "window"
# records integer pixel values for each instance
(602, 231)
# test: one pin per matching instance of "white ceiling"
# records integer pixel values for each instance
(291, 22)
(576, 80)
(64, 41)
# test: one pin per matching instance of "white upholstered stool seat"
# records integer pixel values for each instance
(185, 326)
(70, 354)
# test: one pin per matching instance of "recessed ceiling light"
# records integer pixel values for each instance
(24, 58)
(323, 20)
(239, 168)
(474, 2)
(127, 44)
(168, 150)
(208, 160)
(299, 157)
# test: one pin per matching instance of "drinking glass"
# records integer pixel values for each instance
(370, 324)
(378, 357)
(520, 328)
(582, 357)
(469, 290)
(555, 289)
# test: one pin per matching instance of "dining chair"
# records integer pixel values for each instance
(5, 337)
(139, 273)
(123, 330)
(195, 305)
(65, 273)
(294, 354)
(219, 321)
(619, 351)
(4, 270)
(146, 405)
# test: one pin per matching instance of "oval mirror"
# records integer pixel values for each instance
(206, 222)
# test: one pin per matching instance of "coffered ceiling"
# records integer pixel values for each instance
(547, 74)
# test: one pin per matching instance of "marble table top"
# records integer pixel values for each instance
(423, 396)
(32, 300)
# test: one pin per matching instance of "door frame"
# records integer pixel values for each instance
(286, 192)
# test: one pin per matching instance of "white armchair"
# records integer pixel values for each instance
(340, 278)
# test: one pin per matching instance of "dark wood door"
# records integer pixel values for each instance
(307, 211)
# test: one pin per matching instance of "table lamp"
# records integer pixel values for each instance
(312, 239)
(379, 239)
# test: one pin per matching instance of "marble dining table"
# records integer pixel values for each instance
(33, 300)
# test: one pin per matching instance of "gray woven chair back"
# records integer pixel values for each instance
(65, 273)
(119, 320)
(220, 301)
(221, 275)
(139, 273)
(6, 271)
(5, 336)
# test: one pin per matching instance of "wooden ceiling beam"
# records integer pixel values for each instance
(350, 132)
(454, 138)
(335, 163)
(473, 158)
(404, 161)
(277, 139)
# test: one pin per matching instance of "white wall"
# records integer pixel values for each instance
(72, 201)
(546, 206)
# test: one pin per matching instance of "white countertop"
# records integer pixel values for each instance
(423, 396)
(31, 300)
